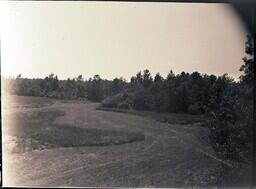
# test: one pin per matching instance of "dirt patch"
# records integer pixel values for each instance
(15, 144)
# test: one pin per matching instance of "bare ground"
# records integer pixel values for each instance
(158, 155)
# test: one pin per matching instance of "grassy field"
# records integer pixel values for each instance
(72, 143)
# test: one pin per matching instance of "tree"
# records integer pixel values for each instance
(158, 78)
(80, 89)
(247, 67)
(79, 78)
(170, 75)
(55, 83)
(146, 78)
(142, 100)
(50, 83)
(70, 88)
(158, 93)
(95, 90)
(138, 78)
(116, 86)
(230, 109)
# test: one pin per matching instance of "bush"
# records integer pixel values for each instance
(230, 125)
(121, 100)
(230, 141)
(124, 105)
(194, 109)
(112, 101)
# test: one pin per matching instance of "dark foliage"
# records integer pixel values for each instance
(230, 111)
(95, 89)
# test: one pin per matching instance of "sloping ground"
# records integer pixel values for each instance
(170, 155)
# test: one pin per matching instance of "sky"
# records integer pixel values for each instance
(118, 39)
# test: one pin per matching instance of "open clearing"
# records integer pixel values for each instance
(70, 143)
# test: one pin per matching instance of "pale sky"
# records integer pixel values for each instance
(115, 39)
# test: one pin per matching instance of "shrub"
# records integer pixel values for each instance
(230, 125)
(194, 109)
(112, 101)
(230, 141)
(124, 105)
(121, 100)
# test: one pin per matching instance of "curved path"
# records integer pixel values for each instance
(170, 156)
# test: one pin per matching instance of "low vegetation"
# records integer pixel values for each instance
(171, 118)
(37, 130)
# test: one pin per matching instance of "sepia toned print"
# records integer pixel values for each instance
(119, 94)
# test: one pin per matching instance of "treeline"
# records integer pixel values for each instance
(94, 89)
(187, 93)
(226, 103)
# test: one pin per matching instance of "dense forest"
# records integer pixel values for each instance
(226, 103)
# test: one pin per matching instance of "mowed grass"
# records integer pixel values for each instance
(66, 136)
(36, 129)
(73, 144)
